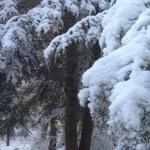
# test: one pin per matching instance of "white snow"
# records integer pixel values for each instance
(122, 75)
(76, 33)
(45, 16)
(7, 10)
(17, 144)
(118, 21)
(31, 142)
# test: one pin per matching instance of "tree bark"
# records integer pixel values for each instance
(53, 130)
(8, 136)
(87, 128)
(87, 123)
(25, 5)
(71, 91)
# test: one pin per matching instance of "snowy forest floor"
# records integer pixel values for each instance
(25, 143)
(17, 144)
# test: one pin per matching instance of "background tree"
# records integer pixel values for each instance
(26, 35)
(77, 39)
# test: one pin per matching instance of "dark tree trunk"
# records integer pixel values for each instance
(87, 123)
(69, 20)
(87, 129)
(26, 5)
(53, 130)
(71, 91)
(8, 136)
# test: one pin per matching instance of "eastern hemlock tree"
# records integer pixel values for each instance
(83, 51)
(24, 36)
(115, 90)
(120, 80)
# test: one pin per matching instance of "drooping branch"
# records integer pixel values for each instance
(117, 77)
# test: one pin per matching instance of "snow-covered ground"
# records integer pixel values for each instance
(17, 144)
(32, 142)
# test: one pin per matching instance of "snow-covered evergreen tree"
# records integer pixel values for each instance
(119, 82)
(45, 48)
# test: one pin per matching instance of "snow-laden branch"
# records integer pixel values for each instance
(88, 30)
(85, 35)
(7, 10)
(122, 77)
(21, 34)
(119, 20)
